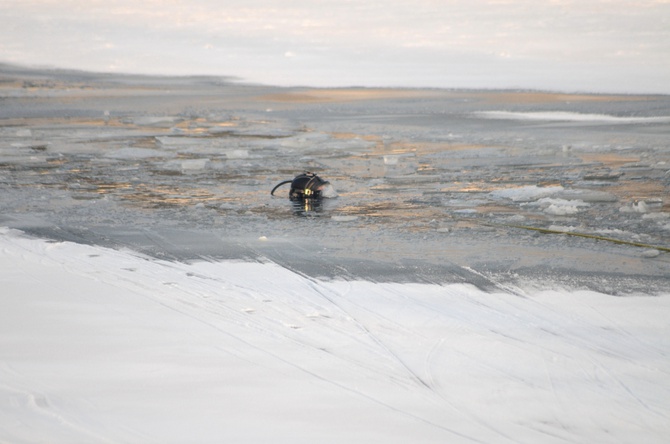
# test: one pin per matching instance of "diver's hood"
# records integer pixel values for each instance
(307, 186)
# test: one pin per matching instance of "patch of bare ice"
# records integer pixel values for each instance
(590, 196)
(154, 120)
(526, 193)
(344, 218)
(558, 207)
(137, 153)
(635, 207)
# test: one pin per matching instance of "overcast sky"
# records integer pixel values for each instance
(580, 45)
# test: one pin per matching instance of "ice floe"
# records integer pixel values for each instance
(563, 116)
(526, 193)
(558, 207)
(138, 153)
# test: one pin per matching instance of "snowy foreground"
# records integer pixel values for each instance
(99, 345)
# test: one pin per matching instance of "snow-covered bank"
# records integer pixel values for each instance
(99, 345)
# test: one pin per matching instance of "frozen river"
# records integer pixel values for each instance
(433, 185)
(460, 287)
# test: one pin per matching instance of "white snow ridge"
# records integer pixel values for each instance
(106, 346)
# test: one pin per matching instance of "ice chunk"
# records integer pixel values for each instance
(516, 218)
(328, 191)
(186, 165)
(562, 229)
(651, 253)
(263, 132)
(558, 207)
(154, 120)
(527, 193)
(635, 207)
(391, 160)
(304, 140)
(611, 231)
(561, 210)
(176, 142)
(238, 154)
(587, 196)
(656, 216)
(194, 164)
(137, 153)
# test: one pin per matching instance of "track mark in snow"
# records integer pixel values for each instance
(507, 288)
(39, 404)
(293, 326)
(438, 390)
(385, 349)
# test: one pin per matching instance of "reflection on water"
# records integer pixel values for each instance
(307, 207)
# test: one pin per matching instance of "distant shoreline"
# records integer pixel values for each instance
(316, 93)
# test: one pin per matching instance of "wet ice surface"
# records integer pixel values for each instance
(432, 185)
